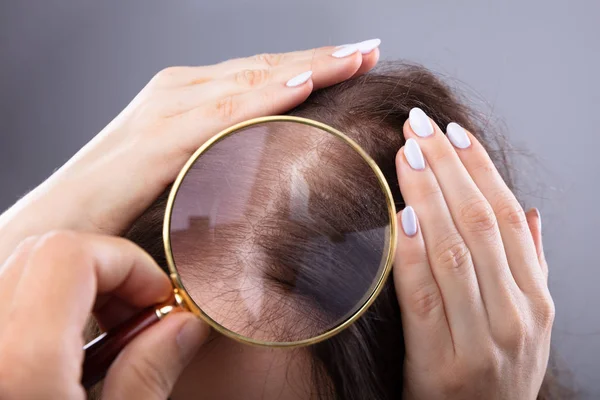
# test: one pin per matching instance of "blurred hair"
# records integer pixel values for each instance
(364, 361)
(290, 221)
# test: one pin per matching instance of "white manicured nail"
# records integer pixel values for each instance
(413, 154)
(457, 135)
(419, 122)
(409, 221)
(346, 51)
(368, 45)
(299, 80)
(365, 47)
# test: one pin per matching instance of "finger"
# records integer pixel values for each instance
(65, 272)
(222, 113)
(472, 214)
(201, 116)
(114, 312)
(370, 55)
(534, 220)
(192, 75)
(447, 253)
(369, 61)
(11, 272)
(368, 49)
(177, 76)
(326, 71)
(150, 365)
(517, 240)
(424, 323)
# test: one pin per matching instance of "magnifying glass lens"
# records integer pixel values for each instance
(280, 232)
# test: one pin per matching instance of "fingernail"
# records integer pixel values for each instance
(409, 221)
(365, 47)
(190, 337)
(368, 46)
(346, 51)
(457, 135)
(419, 122)
(299, 80)
(413, 154)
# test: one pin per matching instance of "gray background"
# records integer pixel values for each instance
(68, 67)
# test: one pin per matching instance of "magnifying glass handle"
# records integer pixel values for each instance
(102, 351)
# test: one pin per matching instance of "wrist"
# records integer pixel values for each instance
(40, 211)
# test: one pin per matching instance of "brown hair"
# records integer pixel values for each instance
(276, 215)
(365, 361)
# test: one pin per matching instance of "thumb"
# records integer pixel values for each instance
(151, 364)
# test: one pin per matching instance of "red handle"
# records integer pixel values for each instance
(102, 351)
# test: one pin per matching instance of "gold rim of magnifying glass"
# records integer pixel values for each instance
(392, 237)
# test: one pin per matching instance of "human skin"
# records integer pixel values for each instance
(116, 176)
(469, 257)
(471, 276)
(122, 170)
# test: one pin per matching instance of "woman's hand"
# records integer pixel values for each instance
(470, 274)
(44, 306)
(114, 178)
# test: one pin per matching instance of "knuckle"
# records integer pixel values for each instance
(412, 258)
(486, 365)
(480, 365)
(452, 254)
(150, 376)
(511, 213)
(61, 243)
(424, 300)
(252, 77)
(167, 74)
(545, 312)
(454, 382)
(513, 334)
(483, 166)
(425, 193)
(477, 215)
(226, 108)
(269, 59)
(58, 239)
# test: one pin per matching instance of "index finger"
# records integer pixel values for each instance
(512, 222)
(64, 274)
(189, 75)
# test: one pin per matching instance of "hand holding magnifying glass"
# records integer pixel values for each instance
(223, 194)
(49, 286)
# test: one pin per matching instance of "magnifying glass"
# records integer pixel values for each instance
(279, 231)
